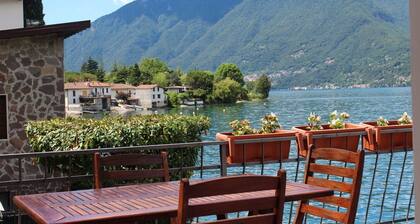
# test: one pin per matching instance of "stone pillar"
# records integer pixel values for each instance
(32, 77)
(415, 74)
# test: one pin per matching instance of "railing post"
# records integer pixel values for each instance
(223, 160)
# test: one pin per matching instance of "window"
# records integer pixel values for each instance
(106, 90)
(74, 92)
(74, 101)
(153, 96)
(158, 96)
(103, 91)
(3, 117)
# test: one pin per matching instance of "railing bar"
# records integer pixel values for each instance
(262, 159)
(243, 159)
(397, 221)
(201, 162)
(371, 188)
(291, 203)
(409, 202)
(386, 179)
(399, 185)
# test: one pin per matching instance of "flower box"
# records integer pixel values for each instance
(273, 151)
(309, 137)
(387, 138)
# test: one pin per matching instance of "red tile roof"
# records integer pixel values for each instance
(85, 85)
(146, 86)
(119, 86)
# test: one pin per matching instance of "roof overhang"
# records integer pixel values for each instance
(65, 30)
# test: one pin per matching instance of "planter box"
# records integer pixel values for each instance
(273, 151)
(394, 138)
(343, 142)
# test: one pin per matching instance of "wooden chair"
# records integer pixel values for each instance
(233, 185)
(348, 192)
(116, 167)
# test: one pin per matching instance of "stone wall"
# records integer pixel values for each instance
(32, 77)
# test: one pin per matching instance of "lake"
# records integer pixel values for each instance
(293, 107)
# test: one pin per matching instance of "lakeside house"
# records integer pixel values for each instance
(151, 96)
(87, 96)
(124, 89)
(97, 96)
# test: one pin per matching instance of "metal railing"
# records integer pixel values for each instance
(387, 194)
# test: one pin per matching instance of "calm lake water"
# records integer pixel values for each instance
(293, 107)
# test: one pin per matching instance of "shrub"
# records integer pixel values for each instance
(72, 134)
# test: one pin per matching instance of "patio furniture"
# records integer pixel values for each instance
(116, 167)
(348, 191)
(227, 186)
(133, 202)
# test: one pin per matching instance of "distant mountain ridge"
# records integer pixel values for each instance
(299, 42)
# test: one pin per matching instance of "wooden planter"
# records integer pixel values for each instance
(309, 137)
(273, 151)
(388, 138)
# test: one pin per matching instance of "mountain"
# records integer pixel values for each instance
(298, 42)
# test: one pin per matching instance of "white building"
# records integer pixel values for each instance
(11, 14)
(150, 96)
(95, 94)
(177, 89)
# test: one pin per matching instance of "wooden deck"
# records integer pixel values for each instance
(135, 202)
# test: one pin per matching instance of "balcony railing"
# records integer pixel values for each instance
(387, 194)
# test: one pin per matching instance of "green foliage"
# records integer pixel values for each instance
(72, 134)
(134, 75)
(173, 99)
(119, 74)
(263, 86)
(227, 91)
(91, 66)
(231, 71)
(161, 79)
(34, 10)
(198, 79)
(174, 77)
(150, 67)
(242, 127)
(79, 77)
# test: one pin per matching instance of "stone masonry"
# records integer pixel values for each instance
(32, 77)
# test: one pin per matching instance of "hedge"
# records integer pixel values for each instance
(70, 134)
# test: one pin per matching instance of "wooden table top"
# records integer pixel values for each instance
(145, 201)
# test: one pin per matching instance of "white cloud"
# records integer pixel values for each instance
(122, 2)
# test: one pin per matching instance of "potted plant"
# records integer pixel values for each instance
(314, 133)
(255, 152)
(384, 135)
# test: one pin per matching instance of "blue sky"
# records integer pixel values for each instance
(61, 11)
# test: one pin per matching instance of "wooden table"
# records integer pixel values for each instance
(146, 201)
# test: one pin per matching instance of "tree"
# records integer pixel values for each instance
(231, 71)
(153, 66)
(34, 12)
(198, 79)
(161, 79)
(227, 91)
(90, 66)
(263, 86)
(174, 77)
(134, 75)
(100, 74)
(119, 74)
(78, 77)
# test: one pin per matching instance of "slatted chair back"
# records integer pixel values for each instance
(190, 194)
(347, 192)
(129, 167)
